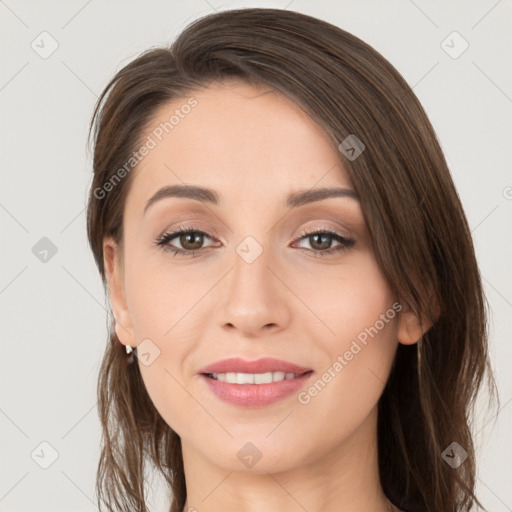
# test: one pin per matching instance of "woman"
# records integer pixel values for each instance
(289, 261)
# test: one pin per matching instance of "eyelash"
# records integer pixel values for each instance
(163, 241)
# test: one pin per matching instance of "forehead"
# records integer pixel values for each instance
(251, 143)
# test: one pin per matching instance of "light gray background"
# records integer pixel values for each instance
(53, 322)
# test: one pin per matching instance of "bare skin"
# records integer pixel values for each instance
(254, 148)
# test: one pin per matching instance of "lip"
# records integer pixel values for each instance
(266, 364)
(255, 395)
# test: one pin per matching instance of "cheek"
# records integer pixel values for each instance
(346, 300)
(357, 338)
(160, 297)
(161, 305)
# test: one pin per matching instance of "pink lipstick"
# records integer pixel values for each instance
(254, 383)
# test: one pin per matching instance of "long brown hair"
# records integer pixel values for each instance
(415, 217)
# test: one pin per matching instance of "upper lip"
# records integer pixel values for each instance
(264, 365)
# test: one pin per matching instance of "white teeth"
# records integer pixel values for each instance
(244, 378)
(263, 378)
(253, 378)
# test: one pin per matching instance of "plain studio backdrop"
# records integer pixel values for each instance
(56, 57)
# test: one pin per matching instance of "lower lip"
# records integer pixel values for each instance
(256, 395)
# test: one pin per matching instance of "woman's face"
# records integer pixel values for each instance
(256, 286)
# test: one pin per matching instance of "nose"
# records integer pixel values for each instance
(254, 299)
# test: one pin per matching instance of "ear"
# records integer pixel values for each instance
(114, 274)
(410, 329)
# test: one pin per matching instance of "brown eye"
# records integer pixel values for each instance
(191, 241)
(321, 241)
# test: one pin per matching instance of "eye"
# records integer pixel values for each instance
(321, 241)
(190, 239)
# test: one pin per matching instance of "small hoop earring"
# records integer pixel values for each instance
(129, 349)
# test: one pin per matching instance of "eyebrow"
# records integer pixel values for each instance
(207, 195)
